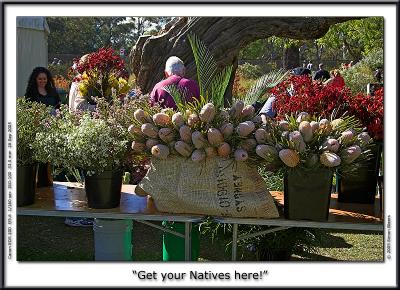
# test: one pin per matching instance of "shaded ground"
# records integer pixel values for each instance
(49, 239)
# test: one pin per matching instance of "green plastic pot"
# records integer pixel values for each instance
(307, 194)
(26, 180)
(103, 190)
(174, 246)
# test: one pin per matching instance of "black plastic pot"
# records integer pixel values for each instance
(360, 187)
(44, 175)
(26, 180)
(103, 190)
(307, 194)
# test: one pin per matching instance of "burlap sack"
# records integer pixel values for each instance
(217, 187)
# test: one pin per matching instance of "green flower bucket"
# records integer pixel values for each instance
(174, 246)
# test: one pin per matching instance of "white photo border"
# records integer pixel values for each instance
(68, 274)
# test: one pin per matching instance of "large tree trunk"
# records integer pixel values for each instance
(291, 57)
(224, 36)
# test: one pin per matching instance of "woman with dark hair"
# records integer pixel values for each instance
(41, 88)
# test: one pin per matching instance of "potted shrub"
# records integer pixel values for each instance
(51, 145)
(309, 150)
(95, 145)
(99, 150)
(300, 94)
(30, 121)
(120, 114)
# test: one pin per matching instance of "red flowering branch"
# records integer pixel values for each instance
(104, 61)
(369, 109)
(300, 94)
(101, 70)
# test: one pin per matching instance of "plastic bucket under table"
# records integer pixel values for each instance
(112, 239)
(174, 246)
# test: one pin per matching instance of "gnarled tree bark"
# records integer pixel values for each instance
(224, 36)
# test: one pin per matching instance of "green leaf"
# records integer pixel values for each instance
(219, 85)
(179, 95)
(205, 64)
(268, 80)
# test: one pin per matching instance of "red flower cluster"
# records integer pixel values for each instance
(369, 109)
(104, 61)
(301, 94)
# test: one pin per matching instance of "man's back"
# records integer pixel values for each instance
(321, 75)
(159, 95)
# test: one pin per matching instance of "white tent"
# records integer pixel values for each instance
(32, 48)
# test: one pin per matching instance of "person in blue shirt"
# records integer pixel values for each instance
(269, 108)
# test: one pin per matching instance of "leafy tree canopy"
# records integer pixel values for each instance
(353, 39)
(80, 35)
(359, 37)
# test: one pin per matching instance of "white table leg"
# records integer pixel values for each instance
(112, 240)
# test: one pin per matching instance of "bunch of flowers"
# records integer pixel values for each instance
(203, 128)
(369, 109)
(306, 142)
(31, 118)
(51, 145)
(96, 146)
(310, 143)
(300, 94)
(78, 140)
(199, 132)
(103, 74)
(61, 83)
(119, 115)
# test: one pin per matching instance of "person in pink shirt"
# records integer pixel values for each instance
(174, 73)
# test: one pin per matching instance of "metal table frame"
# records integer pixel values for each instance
(133, 207)
(50, 209)
(286, 224)
(371, 223)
